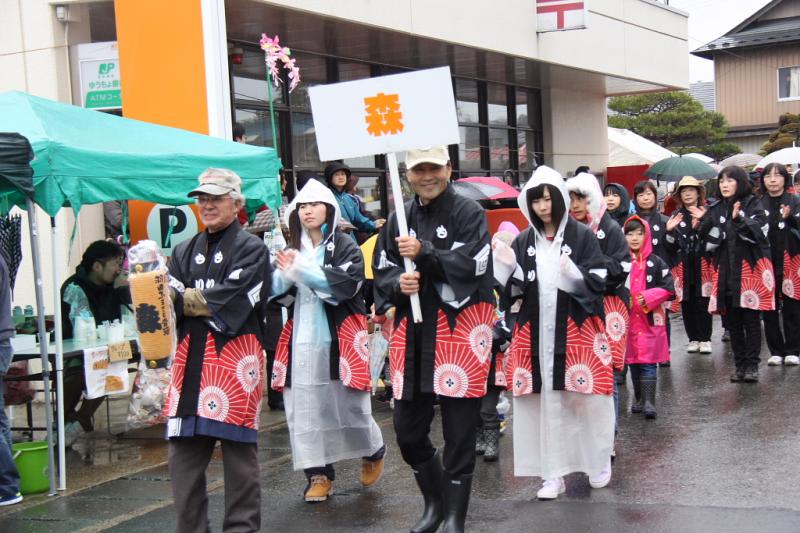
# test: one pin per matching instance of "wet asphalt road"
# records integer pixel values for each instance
(720, 457)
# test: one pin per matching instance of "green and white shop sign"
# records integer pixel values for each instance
(100, 76)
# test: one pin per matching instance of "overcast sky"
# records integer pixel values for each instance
(709, 19)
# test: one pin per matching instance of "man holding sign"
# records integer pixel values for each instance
(449, 352)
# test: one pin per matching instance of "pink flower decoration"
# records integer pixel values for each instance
(273, 53)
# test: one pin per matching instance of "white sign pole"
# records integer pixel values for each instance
(402, 227)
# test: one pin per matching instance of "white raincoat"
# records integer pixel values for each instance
(328, 421)
(556, 432)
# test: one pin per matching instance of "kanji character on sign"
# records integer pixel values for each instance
(383, 114)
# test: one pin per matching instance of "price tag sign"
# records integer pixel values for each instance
(120, 351)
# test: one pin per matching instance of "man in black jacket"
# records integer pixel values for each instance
(98, 289)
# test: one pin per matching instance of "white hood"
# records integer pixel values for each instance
(314, 191)
(586, 184)
(544, 175)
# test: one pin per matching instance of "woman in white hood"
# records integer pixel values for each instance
(559, 364)
(322, 364)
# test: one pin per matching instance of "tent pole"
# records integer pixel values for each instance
(59, 340)
(43, 341)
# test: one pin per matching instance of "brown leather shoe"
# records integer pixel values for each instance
(319, 488)
(371, 471)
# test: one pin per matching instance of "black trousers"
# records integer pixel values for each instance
(696, 318)
(786, 342)
(490, 419)
(412, 423)
(188, 460)
(745, 328)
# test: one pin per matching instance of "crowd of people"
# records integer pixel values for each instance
(557, 314)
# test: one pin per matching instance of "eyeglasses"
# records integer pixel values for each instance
(209, 199)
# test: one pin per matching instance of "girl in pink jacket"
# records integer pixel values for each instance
(651, 286)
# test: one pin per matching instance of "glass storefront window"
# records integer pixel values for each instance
(257, 127)
(499, 150)
(526, 149)
(304, 141)
(367, 161)
(313, 70)
(469, 148)
(498, 110)
(528, 112)
(467, 101)
(250, 80)
(369, 189)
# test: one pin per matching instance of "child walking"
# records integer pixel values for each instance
(651, 286)
(322, 357)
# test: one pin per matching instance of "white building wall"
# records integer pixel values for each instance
(636, 39)
(576, 129)
(34, 59)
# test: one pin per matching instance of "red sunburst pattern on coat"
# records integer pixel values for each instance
(474, 328)
(617, 320)
(758, 285)
(177, 371)
(677, 277)
(462, 358)
(588, 364)
(397, 358)
(244, 356)
(707, 272)
(791, 276)
(281, 365)
(222, 398)
(519, 362)
(499, 371)
(354, 353)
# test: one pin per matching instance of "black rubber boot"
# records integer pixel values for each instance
(480, 441)
(636, 407)
(456, 502)
(429, 478)
(492, 441)
(649, 394)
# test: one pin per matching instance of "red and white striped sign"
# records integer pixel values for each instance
(557, 15)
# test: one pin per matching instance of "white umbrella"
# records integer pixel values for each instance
(741, 160)
(785, 156)
(702, 157)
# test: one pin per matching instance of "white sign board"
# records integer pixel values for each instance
(182, 219)
(557, 15)
(99, 75)
(384, 115)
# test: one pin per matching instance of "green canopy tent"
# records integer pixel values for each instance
(85, 157)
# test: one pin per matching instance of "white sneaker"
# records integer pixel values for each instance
(775, 360)
(705, 347)
(791, 360)
(551, 489)
(602, 479)
(693, 347)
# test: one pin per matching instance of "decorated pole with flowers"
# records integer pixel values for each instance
(276, 55)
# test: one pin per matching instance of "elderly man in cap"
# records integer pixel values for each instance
(449, 353)
(221, 279)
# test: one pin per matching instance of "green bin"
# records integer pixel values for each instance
(31, 459)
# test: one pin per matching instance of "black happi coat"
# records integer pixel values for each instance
(343, 267)
(452, 346)
(784, 241)
(218, 372)
(658, 233)
(615, 302)
(693, 264)
(580, 341)
(742, 260)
